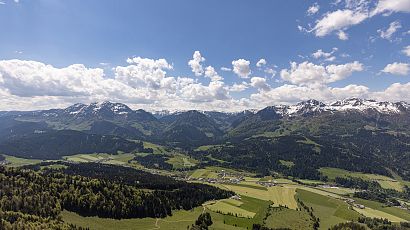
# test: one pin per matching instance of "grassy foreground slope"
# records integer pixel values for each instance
(330, 211)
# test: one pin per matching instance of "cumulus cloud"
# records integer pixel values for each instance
(146, 83)
(195, 63)
(289, 94)
(30, 78)
(212, 74)
(238, 87)
(342, 35)
(241, 68)
(143, 72)
(313, 9)
(406, 51)
(307, 73)
(261, 63)
(397, 68)
(338, 20)
(142, 82)
(395, 92)
(388, 33)
(327, 56)
(259, 83)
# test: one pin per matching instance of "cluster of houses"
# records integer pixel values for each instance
(4, 163)
(353, 203)
(221, 180)
(267, 183)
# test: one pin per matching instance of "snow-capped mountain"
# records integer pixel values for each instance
(312, 107)
(102, 109)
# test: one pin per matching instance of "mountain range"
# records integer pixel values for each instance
(341, 134)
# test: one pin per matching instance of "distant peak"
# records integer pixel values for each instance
(350, 104)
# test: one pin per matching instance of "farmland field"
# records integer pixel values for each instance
(17, 161)
(227, 207)
(182, 161)
(288, 218)
(329, 210)
(179, 219)
(373, 213)
(384, 181)
(278, 195)
(400, 213)
(158, 149)
(121, 158)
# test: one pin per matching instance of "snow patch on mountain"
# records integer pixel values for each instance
(352, 104)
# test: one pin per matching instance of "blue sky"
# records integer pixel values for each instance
(354, 37)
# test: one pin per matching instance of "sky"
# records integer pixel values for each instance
(225, 55)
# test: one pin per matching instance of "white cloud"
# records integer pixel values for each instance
(406, 51)
(395, 92)
(289, 94)
(143, 72)
(354, 13)
(142, 82)
(390, 6)
(2, 3)
(30, 78)
(241, 68)
(313, 9)
(238, 87)
(342, 35)
(387, 34)
(212, 74)
(338, 21)
(270, 71)
(259, 83)
(261, 63)
(349, 91)
(397, 68)
(146, 83)
(226, 69)
(327, 56)
(307, 73)
(195, 63)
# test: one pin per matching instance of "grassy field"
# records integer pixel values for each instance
(399, 213)
(288, 218)
(17, 162)
(373, 213)
(158, 149)
(179, 161)
(277, 194)
(338, 191)
(249, 204)
(119, 159)
(205, 147)
(283, 196)
(228, 207)
(179, 220)
(288, 164)
(330, 211)
(384, 181)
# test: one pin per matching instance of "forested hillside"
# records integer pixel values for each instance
(99, 190)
